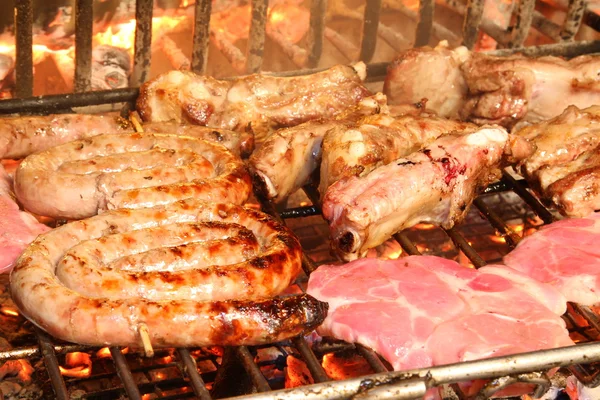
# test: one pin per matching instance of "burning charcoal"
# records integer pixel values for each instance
(111, 67)
(297, 373)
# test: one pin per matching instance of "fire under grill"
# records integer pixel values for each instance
(258, 372)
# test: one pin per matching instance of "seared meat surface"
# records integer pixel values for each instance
(435, 185)
(565, 168)
(96, 281)
(256, 103)
(378, 140)
(289, 157)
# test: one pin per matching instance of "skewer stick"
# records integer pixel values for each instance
(145, 335)
(137, 126)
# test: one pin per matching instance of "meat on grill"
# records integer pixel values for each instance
(256, 103)
(378, 140)
(487, 89)
(119, 284)
(22, 136)
(564, 254)
(506, 90)
(17, 228)
(565, 168)
(78, 179)
(288, 158)
(421, 311)
(435, 185)
(431, 74)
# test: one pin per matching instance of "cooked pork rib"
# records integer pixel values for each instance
(22, 136)
(256, 103)
(506, 90)
(565, 168)
(431, 74)
(436, 185)
(378, 140)
(487, 89)
(288, 158)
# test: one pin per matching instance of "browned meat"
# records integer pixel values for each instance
(256, 103)
(506, 90)
(435, 185)
(565, 168)
(289, 157)
(378, 140)
(78, 179)
(22, 136)
(428, 74)
(182, 302)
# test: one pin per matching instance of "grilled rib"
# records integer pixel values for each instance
(436, 185)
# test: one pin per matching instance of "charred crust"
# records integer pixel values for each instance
(402, 163)
(218, 136)
(346, 242)
(260, 262)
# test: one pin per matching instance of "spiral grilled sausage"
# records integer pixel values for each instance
(78, 179)
(95, 281)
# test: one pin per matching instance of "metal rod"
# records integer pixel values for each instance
(565, 49)
(202, 10)
(124, 373)
(84, 24)
(143, 42)
(52, 103)
(545, 26)
(435, 376)
(51, 363)
(256, 38)
(498, 223)
(191, 370)
(316, 31)
(24, 47)
(34, 351)
(371, 357)
(252, 369)
(370, 29)
(465, 247)
(313, 365)
(425, 25)
(573, 19)
(406, 244)
(523, 23)
(534, 203)
(300, 212)
(474, 15)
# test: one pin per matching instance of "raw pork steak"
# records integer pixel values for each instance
(563, 254)
(421, 311)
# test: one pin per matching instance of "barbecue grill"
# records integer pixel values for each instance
(238, 371)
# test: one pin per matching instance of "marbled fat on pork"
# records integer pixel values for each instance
(421, 311)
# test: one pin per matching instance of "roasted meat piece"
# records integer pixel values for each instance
(430, 74)
(565, 255)
(488, 89)
(421, 311)
(288, 158)
(22, 136)
(565, 168)
(193, 273)
(435, 185)
(506, 90)
(378, 140)
(256, 103)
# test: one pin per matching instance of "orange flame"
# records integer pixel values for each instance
(77, 365)
(340, 367)
(9, 311)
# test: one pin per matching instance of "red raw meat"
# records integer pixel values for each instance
(420, 311)
(17, 228)
(564, 255)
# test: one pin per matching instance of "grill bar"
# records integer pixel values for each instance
(202, 10)
(313, 365)
(425, 25)
(474, 16)
(24, 52)
(191, 371)
(462, 243)
(247, 360)
(125, 374)
(573, 19)
(254, 55)
(316, 31)
(51, 363)
(84, 24)
(511, 237)
(370, 29)
(523, 23)
(143, 42)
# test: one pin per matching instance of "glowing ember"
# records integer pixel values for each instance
(424, 226)
(497, 239)
(340, 367)
(103, 353)
(297, 373)
(77, 365)
(20, 368)
(165, 360)
(303, 203)
(9, 311)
